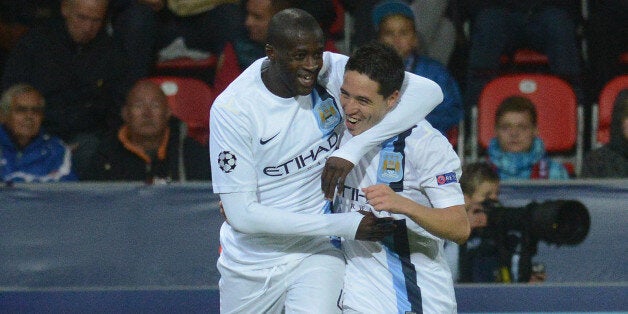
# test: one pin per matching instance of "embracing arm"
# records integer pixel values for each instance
(418, 97)
(246, 215)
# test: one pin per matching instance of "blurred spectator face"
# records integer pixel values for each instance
(258, 15)
(515, 132)
(146, 111)
(487, 190)
(25, 116)
(84, 18)
(399, 32)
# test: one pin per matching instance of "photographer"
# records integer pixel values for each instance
(478, 260)
(504, 239)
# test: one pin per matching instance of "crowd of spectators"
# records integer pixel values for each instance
(83, 57)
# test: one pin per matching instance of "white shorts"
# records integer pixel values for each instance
(310, 285)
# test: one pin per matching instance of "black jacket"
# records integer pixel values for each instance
(611, 160)
(187, 160)
(84, 86)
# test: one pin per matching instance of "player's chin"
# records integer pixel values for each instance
(304, 90)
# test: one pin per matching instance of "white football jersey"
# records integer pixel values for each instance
(278, 148)
(407, 272)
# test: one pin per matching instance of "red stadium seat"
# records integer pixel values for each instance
(456, 138)
(623, 59)
(525, 56)
(190, 100)
(559, 115)
(602, 111)
(187, 64)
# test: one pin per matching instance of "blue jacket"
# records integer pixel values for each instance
(448, 113)
(45, 159)
(530, 165)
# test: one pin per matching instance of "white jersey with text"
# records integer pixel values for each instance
(278, 148)
(407, 272)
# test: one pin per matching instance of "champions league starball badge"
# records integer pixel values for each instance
(227, 161)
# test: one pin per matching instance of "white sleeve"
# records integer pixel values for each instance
(245, 214)
(232, 161)
(419, 96)
(439, 169)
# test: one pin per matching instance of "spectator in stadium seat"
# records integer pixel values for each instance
(434, 27)
(144, 27)
(395, 24)
(73, 62)
(150, 146)
(500, 26)
(611, 160)
(27, 153)
(517, 152)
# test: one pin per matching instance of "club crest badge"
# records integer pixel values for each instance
(390, 167)
(327, 115)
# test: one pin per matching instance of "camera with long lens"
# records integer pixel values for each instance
(516, 231)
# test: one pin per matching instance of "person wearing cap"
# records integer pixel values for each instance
(394, 21)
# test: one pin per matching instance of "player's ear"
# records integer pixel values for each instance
(392, 100)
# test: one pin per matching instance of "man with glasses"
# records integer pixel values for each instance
(28, 154)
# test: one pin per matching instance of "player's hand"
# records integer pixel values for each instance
(374, 229)
(477, 216)
(334, 174)
(382, 197)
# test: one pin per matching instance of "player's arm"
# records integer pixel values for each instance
(437, 168)
(234, 179)
(245, 214)
(419, 96)
(449, 223)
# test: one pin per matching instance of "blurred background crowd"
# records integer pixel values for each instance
(121, 89)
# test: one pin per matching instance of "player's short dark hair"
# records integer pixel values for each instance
(286, 24)
(381, 63)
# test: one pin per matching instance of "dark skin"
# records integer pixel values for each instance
(371, 228)
(303, 57)
(293, 70)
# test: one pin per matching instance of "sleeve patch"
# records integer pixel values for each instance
(446, 178)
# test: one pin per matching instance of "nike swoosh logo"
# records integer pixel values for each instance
(263, 142)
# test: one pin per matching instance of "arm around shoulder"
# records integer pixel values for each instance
(419, 96)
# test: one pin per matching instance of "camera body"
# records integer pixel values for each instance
(516, 231)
